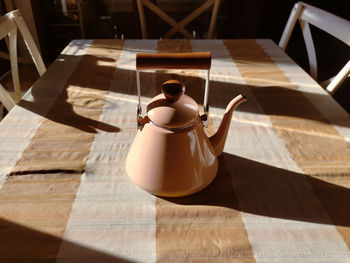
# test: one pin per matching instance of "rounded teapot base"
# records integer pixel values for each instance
(184, 193)
(175, 193)
(171, 164)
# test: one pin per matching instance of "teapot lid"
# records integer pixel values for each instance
(172, 109)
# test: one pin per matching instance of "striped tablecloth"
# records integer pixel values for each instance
(282, 193)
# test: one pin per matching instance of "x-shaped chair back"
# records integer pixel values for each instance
(178, 26)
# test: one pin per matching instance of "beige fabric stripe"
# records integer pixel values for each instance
(200, 228)
(321, 152)
(21, 124)
(63, 141)
(34, 210)
(310, 88)
(110, 214)
(73, 118)
(278, 220)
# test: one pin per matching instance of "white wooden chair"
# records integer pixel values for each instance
(178, 26)
(330, 23)
(9, 23)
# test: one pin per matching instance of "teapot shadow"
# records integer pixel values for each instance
(261, 189)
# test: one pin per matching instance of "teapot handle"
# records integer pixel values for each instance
(197, 60)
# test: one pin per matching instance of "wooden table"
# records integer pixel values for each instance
(282, 192)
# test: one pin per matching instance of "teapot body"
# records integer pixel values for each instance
(172, 163)
(171, 155)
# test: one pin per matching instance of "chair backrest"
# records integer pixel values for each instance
(9, 23)
(178, 26)
(330, 23)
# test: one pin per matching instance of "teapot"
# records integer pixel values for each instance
(171, 154)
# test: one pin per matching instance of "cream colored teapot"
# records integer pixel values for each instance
(171, 155)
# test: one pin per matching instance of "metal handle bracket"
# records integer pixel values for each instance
(199, 61)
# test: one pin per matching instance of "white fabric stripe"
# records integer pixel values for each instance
(110, 214)
(12, 135)
(319, 97)
(272, 239)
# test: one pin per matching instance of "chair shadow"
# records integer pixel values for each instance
(62, 110)
(274, 100)
(265, 190)
(22, 244)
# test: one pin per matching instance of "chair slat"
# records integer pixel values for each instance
(332, 24)
(9, 24)
(178, 26)
(328, 22)
(6, 26)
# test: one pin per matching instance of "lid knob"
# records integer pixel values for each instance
(172, 90)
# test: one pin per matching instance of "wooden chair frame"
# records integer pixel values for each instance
(178, 26)
(9, 24)
(330, 23)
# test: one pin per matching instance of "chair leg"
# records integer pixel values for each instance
(6, 99)
(213, 19)
(142, 19)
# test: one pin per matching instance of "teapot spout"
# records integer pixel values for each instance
(219, 138)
